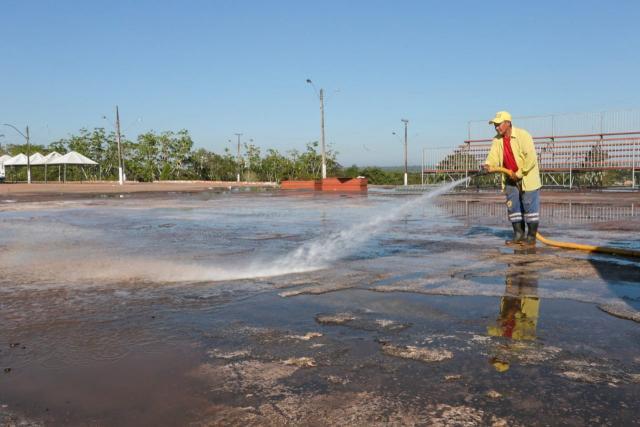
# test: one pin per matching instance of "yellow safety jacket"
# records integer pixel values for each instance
(526, 158)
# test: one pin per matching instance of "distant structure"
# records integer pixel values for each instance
(51, 159)
(590, 150)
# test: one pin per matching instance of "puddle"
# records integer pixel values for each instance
(160, 311)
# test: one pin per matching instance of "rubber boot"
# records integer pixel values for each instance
(530, 240)
(518, 234)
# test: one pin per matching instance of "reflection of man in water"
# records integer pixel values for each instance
(519, 307)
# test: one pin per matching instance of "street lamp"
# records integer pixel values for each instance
(405, 121)
(324, 159)
(28, 149)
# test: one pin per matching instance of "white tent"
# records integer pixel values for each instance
(72, 158)
(51, 156)
(17, 160)
(36, 159)
(47, 159)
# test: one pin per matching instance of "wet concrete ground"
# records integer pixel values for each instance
(168, 310)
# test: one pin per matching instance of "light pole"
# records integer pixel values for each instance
(406, 180)
(324, 159)
(28, 149)
(239, 158)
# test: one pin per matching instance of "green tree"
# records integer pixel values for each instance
(378, 176)
(15, 149)
(252, 160)
(175, 149)
(146, 155)
(59, 146)
(351, 172)
(277, 167)
(165, 156)
(308, 165)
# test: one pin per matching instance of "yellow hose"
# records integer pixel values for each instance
(588, 248)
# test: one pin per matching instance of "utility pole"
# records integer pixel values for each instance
(239, 158)
(406, 178)
(26, 137)
(322, 145)
(120, 162)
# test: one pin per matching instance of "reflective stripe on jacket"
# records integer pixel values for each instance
(526, 158)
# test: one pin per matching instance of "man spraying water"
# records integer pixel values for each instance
(512, 149)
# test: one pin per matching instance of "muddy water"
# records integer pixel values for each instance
(168, 311)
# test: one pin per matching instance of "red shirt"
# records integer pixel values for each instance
(508, 159)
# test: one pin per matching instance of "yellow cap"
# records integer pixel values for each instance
(501, 116)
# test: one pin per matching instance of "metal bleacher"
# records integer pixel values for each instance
(564, 158)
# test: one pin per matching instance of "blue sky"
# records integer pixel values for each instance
(221, 67)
